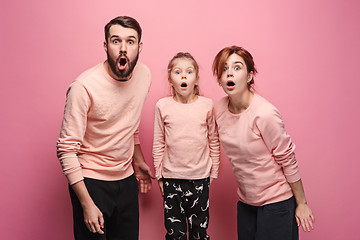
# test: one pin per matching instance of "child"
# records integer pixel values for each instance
(185, 151)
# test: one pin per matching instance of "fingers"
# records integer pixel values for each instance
(145, 185)
(95, 227)
(297, 221)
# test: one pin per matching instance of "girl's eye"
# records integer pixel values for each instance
(189, 72)
(177, 72)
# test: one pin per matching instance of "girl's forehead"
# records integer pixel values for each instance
(183, 63)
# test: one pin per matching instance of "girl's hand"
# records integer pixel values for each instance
(161, 186)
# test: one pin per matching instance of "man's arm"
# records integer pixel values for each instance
(93, 218)
(142, 171)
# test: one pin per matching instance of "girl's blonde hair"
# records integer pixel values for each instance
(187, 56)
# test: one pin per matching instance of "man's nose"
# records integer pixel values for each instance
(123, 47)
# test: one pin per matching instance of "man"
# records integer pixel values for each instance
(99, 147)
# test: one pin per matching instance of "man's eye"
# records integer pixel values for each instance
(116, 41)
(131, 42)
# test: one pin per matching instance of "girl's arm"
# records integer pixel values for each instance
(158, 145)
(214, 145)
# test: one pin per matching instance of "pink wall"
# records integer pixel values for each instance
(307, 54)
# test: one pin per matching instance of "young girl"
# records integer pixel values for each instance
(272, 200)
(185, 151)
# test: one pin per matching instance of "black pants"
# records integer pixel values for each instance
(275, 221)
(186, 206)
(119, 204)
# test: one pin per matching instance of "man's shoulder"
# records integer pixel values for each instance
(91, 73)
(142, 69)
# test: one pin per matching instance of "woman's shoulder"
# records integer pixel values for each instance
(263, 109)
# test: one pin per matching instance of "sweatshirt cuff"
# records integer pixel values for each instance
(75, 177)
(293, 177)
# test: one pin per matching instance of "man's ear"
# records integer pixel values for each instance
(140, 46)
(105, 46)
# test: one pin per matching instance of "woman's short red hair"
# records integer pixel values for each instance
(224, 54)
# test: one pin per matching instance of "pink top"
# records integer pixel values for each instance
(260, 151)
(186, 143)
(100, 123)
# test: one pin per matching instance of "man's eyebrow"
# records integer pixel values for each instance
(116, 36)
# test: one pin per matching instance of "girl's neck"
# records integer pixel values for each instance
(185, 99)
(238, 104)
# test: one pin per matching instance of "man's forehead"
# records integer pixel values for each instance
(120, 31)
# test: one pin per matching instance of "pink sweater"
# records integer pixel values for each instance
(100, 123)
(260, 151)
(186, 143)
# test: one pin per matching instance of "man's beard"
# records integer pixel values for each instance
(122, 75)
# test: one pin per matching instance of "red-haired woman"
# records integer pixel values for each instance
(272, 200)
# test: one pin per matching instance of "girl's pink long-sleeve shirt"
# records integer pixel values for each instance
(186, 143)
(100, 123)
(260, 151)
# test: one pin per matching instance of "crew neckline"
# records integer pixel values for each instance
(241, 113)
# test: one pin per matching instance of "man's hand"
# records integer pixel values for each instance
(142, 171)
(144, 175)
(93, 219)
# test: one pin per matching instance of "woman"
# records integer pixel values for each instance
(272, 200)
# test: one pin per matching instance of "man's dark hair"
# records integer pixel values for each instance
(125, 21)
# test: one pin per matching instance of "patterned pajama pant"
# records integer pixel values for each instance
(186, 206)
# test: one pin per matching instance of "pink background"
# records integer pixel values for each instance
(307, 53)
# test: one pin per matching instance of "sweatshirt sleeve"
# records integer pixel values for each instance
(279, 143)
(214, 144)
(136, 137)
(72, 131)
(158, 142)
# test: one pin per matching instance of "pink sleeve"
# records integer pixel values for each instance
(159, 142)
(279, 143)
(214, 145)
(72, 131)
(136, 137)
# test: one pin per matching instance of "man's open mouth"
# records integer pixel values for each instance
(122, 63)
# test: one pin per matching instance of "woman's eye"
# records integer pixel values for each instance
(177, 72)
(189, 72)
(225, 69)
(237, 68)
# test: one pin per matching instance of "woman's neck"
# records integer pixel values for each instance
(238, 104)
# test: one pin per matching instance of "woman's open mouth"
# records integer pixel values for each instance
(230, 84)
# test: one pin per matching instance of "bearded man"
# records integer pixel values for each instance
(99, 148)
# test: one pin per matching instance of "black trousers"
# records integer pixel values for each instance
(119, 204)
(275, 221)
(186, 208)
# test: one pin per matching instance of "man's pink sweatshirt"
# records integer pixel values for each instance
(100, 123)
